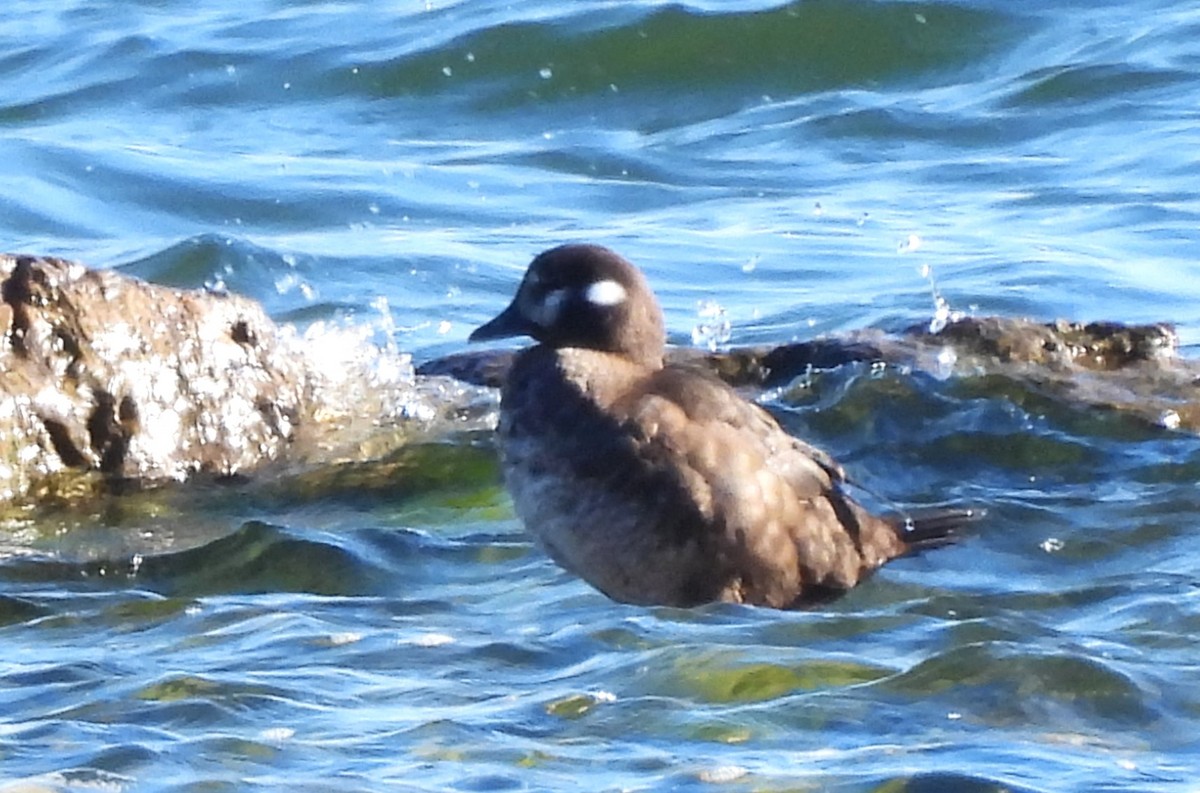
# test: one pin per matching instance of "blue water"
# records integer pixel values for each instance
(811, 168)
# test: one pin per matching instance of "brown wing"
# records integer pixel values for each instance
(779, 519)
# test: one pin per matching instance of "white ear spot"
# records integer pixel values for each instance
(605, 293)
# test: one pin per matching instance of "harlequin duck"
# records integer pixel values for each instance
(659, 484)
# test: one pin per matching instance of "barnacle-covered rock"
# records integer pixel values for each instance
(104, 378)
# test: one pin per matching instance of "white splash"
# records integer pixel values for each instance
(714, 328)
(431, 640)
(943, 315)
(1052, 545)
(722, 774)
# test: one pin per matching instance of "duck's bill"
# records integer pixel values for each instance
(507, 323)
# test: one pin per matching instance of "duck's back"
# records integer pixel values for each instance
(664, 486)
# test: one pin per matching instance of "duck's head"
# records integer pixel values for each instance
(584, 296)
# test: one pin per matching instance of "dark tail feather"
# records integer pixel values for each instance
(932, 528)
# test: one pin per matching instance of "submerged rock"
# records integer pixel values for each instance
(966, 343)
(1135, 369)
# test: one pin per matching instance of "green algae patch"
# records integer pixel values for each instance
(535, 759)
(761, 682)
(179, 689)
(135, 613)
(15, 610)
(723, 732)
(576, 706)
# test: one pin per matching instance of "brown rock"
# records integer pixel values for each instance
(105, 378)
(106, 373)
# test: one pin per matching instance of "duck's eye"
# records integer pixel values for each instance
(605, 293)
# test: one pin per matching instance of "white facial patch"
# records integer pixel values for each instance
(545, 312)
(605, 293)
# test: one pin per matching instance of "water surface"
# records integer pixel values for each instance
(810, 168)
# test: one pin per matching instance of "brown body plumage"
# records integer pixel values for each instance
(660, 484)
